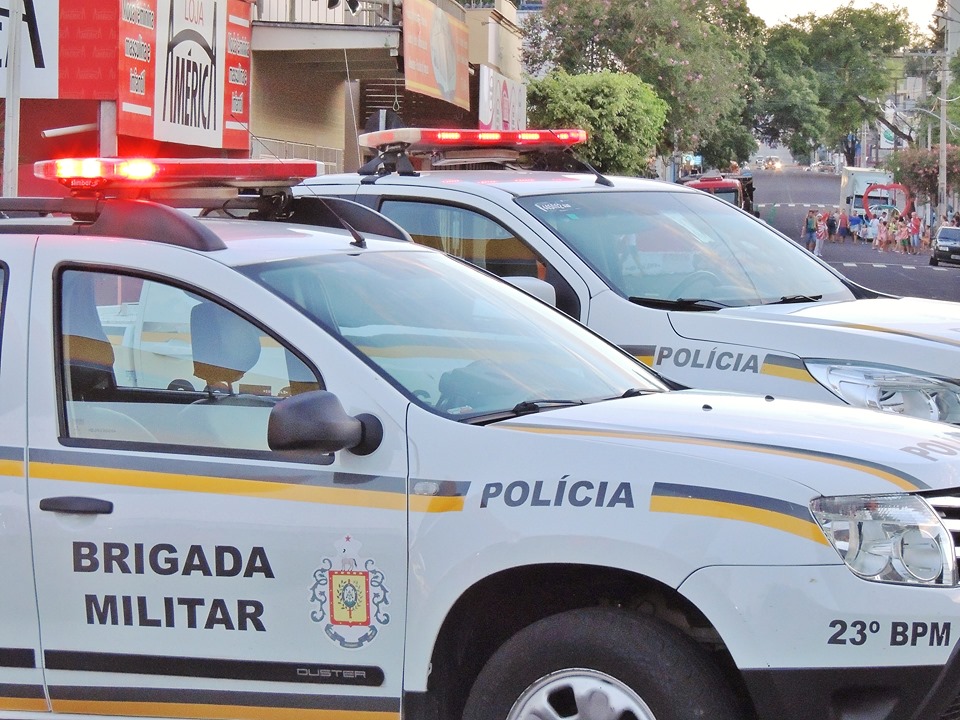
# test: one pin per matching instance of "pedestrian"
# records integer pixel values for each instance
(856, 227)
(914, 227)
(903, 235)
(820, 234)
(843, 226)
(883, 237)
(809, 232)
(870, 229)
(831, 227)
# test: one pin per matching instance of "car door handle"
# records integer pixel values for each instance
(77, 505)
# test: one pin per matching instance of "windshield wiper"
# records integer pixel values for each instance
(787, 299)
(527, 407)
(697, 304)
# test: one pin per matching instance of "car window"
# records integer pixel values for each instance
(452, 339)
(478, 239)
(949, 233)
(673, 245)
(150, 362)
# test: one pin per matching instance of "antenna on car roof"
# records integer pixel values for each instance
(601, 178)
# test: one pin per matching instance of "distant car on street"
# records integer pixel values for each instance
(772, 162)
(822, 166)
(946, 246)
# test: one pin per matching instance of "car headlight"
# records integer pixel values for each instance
(892, 390)
(888, 538)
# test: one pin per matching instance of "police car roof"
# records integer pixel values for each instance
(518, 183)
(253, 241)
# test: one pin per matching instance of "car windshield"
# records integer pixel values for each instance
(457, 341)
(949, 233)
(668, 246)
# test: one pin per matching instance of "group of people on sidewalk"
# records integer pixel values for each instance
(888, 232)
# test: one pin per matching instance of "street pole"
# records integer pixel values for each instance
(942, 177)
(11, 118)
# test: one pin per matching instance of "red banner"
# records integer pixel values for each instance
(88, 50)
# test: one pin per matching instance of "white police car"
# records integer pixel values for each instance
(265, 469)
(709, 296)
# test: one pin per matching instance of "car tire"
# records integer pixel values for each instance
(934, 261)
(596, 664)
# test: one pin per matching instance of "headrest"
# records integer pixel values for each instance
(85, 342)
(225, 346)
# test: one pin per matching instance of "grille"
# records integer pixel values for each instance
(952, 712)
(947, 506)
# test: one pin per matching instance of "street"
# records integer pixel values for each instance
(783, 199)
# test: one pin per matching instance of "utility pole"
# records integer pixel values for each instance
(11, 118)
(942, 177)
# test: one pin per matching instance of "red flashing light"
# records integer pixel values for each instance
(430, 139)
(130, 173)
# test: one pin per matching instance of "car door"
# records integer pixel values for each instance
(184, 569)
(476, 230)
(21, 676)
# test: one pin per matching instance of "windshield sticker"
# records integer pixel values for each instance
(554, 206)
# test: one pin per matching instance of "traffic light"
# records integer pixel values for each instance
(352, 5)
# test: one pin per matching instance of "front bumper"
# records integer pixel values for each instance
(882, 693)
(817, 642)
(950, 255)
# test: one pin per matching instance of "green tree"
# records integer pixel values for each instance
(691, 52)
(788, 109)
(847, 52)
(622, 115)
(919, 170)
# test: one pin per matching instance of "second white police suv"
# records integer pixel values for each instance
(272, 468)
(703, 292)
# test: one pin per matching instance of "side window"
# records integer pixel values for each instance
(479, 240)
(144, 361)
(467, 234)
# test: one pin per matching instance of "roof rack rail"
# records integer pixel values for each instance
(131, 219)
(159, 222)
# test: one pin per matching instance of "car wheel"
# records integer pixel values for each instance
(934, 261)
(600, 664)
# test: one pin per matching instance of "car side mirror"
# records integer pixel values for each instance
(316, 420)
(540, 289)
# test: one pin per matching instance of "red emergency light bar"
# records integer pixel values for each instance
(96, 173)
(432, 139)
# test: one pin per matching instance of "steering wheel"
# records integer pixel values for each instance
(698, 277)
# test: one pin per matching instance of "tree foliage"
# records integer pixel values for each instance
(788, 110)
(622, 115)
(919, 170)
(727, 79)
(689, 51)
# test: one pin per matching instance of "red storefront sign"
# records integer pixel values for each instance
(435, 53)
(178, 69)
(185, 71)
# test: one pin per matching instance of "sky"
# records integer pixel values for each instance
(777, 11)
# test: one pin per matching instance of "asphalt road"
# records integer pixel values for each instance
(783, 198)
